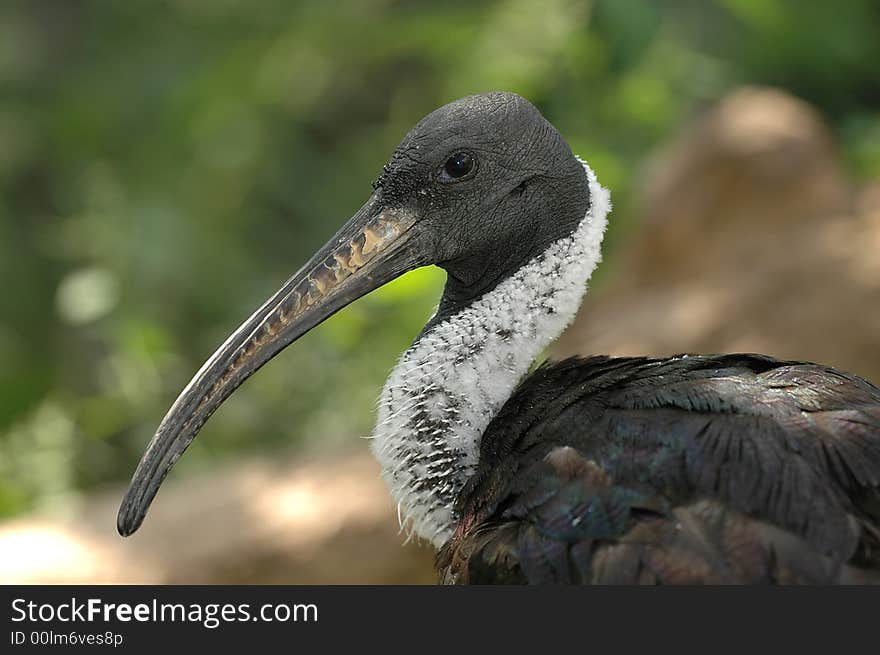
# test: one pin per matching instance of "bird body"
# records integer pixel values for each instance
(690, 469)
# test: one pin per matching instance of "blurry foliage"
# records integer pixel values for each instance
(164, 166)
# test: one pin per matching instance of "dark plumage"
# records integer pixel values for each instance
(693, 469)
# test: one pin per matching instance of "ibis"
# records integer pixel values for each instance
(690, 469)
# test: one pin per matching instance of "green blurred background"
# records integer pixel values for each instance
(164, 166)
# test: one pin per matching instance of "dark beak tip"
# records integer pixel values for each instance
(127, 521)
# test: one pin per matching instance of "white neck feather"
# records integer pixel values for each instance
(448, 386)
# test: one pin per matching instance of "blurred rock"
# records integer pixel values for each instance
(305, 522)
(749, 238)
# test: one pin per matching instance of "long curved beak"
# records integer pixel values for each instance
(375, 246)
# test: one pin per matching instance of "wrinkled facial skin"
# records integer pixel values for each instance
(485, 225)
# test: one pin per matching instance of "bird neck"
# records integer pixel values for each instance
(453, 380)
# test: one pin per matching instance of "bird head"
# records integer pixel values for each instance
(478, 187)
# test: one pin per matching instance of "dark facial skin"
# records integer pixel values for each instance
(525, 191)
(512, 188)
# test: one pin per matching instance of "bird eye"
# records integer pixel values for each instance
(457, 166)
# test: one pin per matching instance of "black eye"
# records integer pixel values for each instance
(459, 165)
